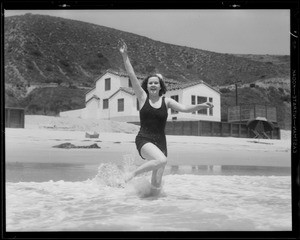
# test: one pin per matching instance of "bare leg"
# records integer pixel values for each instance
(157, 177)
(158, 160)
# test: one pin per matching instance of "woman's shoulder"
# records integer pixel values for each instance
(167, 100)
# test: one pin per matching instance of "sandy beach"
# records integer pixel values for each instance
(219, 184)
(35, 143)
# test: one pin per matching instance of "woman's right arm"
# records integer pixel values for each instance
(139, 91)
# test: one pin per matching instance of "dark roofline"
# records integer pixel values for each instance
(126, 90)
(94, 96)
(186, 85)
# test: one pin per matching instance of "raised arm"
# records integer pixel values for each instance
(139, 91)
(171, 103)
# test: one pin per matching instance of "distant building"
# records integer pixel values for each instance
(14, 117)
(113, 98)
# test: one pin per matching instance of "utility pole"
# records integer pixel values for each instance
(236, 92)
(236, 95)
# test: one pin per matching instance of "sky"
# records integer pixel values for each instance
(224, 31)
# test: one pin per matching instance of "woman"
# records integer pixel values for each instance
(151, 139)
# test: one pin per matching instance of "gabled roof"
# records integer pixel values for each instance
(123, 89)
(186, 85)
(93, 97)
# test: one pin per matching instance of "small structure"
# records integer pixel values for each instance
(249, 114)
(244, 113)
(259, 126)
(14, 117)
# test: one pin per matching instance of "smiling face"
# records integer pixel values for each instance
(153, 86)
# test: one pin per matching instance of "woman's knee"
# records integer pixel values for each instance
(162, 161)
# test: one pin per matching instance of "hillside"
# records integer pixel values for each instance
(49, 58)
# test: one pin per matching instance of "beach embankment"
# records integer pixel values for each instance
(36, 144)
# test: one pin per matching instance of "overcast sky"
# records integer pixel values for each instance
(223, 31)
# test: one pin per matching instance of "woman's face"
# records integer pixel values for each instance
(153, 86)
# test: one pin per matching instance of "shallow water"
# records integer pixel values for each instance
(43, 197)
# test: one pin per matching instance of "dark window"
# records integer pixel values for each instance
(176, 98)
(199, 101)
(129, 83)
(193, 101)
(105, 104)
(211, 109)
(121, 105)
(107, 84)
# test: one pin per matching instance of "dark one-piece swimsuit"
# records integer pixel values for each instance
(152, 130)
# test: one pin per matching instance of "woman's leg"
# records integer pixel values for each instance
(156, 159)
(157, 177)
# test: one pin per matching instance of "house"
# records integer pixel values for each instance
(113, 98)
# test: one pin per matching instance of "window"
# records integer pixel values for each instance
(107, 84)
(121, 105)
(137, 105)
(129, 83)
(199, 101)
(193, 101)
(176, 98)
(105, 103)
(211, 109)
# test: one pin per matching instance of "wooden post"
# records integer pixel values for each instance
(173, 127)
(22, 119)
(240, 113)
(221, 129)
(8, 118)
(199, 128)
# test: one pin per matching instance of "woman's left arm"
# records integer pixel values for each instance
(171, 103)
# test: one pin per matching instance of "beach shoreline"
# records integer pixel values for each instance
(35, 143)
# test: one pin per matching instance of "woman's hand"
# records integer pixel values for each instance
(122, 46)
(209, 105)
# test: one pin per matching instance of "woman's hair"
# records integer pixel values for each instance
(163, 87)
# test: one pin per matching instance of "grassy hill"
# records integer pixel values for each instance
(42, 50)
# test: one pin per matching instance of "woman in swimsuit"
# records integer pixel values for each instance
(151, 139)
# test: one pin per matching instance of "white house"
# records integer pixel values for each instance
(113, 98)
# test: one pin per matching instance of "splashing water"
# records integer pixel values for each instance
(110, 175)
(187, 202)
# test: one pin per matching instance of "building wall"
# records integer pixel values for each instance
(92, 109)
(116, 83)
(197, 90)
(90, 94)
(73, 113)
(129, 103)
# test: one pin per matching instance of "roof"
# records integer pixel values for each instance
(93, 97)
(186, 85)
(123, 89)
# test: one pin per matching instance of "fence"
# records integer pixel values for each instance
(208, 128)
(244, 113)
(14, 118)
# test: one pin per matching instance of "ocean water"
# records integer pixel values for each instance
(53, 197)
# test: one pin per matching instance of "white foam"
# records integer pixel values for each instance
(189, 202)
